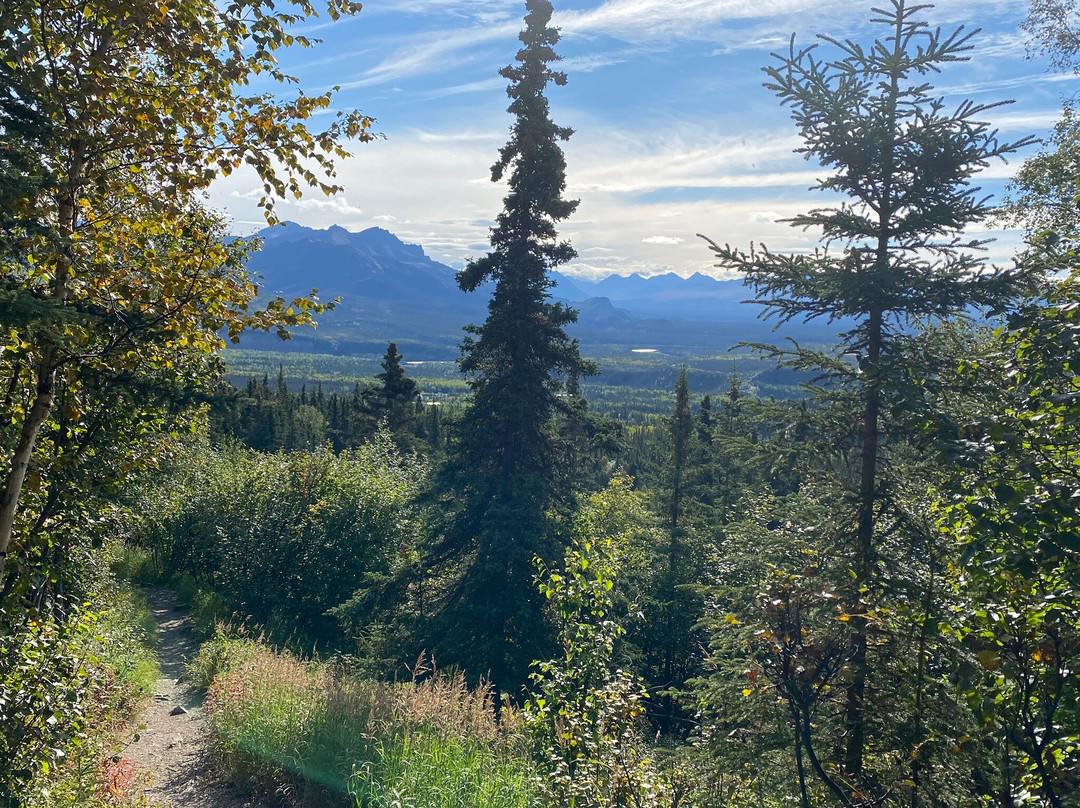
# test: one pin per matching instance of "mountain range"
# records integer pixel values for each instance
(391, 291)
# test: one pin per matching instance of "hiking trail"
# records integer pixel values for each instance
(172, 753)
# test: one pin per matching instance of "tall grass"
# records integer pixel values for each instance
(321, 735)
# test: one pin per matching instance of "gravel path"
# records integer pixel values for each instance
(171, 751)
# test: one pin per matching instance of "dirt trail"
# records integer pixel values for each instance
(172, 750)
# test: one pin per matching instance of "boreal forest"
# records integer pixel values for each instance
(531, 581)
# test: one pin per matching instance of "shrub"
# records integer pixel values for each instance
(280, 538)
(66, 684)
(586, 713)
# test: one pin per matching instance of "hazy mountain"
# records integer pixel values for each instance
(373, 265)
(392, 291)
(698, 297)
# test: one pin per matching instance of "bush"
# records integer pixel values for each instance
(585, 713)
(279, 538)
(66, 685)
(219, 655)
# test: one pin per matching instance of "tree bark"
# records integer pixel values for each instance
(45, 393)
(24, 450)
(856, 693)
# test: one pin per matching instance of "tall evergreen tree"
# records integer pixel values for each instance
(670, 641)
(705, 420)
(905, 164)
(500, 482)
(681, 431)
(395, 397)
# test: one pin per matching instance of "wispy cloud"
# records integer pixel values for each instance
(670, 140)
(1011, 45)
(338, 205)
(454, 136)
(766, 216)
(313, 25)
(633, 19)
(432, 52)
(610, 162)
(591, 62)
(432, 188)
(481, 10)
(482, 86)
(766, 43)
(1011, 83)
(1026, 121)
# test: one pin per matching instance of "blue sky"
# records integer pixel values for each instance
(674, 133)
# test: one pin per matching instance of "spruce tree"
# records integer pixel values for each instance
(676, 608)
(705, 420)
(895, 255)
(395, 397)
(500, 484)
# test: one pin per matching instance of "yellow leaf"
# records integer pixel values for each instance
(989, 660)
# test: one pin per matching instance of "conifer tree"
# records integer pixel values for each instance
(500, 483)
(895, 255)
(676, 607)
(705, 420)
(395, 397)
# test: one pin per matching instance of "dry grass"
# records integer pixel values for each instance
(320, 735)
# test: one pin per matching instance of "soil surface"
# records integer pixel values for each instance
(171, 751)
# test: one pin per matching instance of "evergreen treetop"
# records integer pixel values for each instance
(501, 480)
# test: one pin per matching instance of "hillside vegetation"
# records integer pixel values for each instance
(841, 571)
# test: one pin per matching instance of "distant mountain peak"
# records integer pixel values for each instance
(337, 234)
(392, 292)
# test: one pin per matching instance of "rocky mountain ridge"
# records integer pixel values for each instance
(393, 291)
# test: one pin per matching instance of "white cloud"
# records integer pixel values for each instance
(764, 44)
(482, 86)
(464, 136)
(314, 24)
(643, 197)
(1011, 83)
(431, 53)
(765, 216)
(480, 9)
(433, 188)
(1024, 122)
(422, 186)
(590, 63)
(611, 161)
(1011, 45)
(337, 205)
(634, 19)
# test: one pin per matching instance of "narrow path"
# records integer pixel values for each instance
(172, 750)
